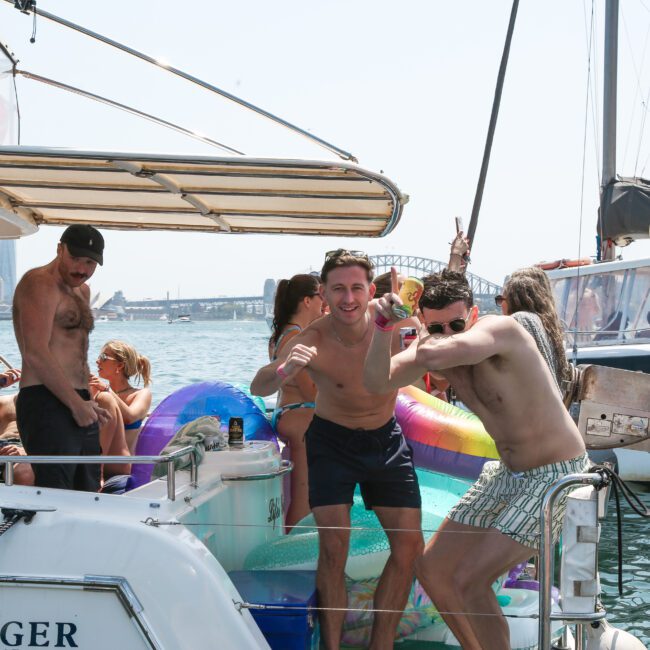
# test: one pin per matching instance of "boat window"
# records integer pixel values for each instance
(639, 305)
(592, 307)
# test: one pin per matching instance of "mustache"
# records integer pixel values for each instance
(81, 276)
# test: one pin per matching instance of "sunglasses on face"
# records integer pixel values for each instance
(340, 252)
(499, 300)
(456, 325)
(104, 357)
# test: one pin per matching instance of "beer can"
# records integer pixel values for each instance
(236, 432)
(409, 294)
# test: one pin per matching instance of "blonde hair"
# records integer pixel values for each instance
(135, 365)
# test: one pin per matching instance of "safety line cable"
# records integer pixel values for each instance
(150, 521)
(246, 605)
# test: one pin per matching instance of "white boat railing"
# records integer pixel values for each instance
(167, 459)
(546, 562)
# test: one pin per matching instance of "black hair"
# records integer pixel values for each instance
(445, 288)
(288, 295)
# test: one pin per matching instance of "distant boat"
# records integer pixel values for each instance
(5, 312)
(102, 319)
(181, 318)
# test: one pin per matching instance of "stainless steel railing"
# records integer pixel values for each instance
(546, 564)
(100, 460)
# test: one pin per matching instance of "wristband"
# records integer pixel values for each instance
(381, 323)
(280, 371)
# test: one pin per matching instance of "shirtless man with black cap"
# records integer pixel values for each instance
(52, 320)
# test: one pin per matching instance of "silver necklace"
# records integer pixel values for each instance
(344, 343)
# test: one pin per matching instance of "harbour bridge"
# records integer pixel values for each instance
(258, 306)
(421, 266)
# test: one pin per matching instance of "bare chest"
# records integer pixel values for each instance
(73, 314)
(339, 368)
(478, 386)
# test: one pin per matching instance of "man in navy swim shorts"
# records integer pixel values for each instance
(352, 440)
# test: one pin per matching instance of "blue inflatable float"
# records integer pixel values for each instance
(215, 398)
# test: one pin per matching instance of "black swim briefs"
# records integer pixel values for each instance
(379, 460)
(47, 428)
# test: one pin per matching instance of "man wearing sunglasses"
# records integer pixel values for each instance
(353, 439)
(496, 369)
(52, 321)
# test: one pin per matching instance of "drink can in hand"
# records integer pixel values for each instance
(409, 294)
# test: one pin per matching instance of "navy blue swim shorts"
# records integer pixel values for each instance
(379, 460)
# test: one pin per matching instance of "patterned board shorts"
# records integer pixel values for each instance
(511, 502)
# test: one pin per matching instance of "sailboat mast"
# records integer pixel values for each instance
(478, 197)
(607, 248)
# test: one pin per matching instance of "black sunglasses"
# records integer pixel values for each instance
(499, 300)
(340, 252)
(456, 325)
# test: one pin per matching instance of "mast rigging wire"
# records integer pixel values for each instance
(574, 350)
(637, 92)
(638, 72)
(345, 155)
(128, 109)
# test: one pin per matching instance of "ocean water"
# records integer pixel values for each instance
(232, 351)
(181, 353)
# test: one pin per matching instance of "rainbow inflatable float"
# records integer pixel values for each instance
(444, 438)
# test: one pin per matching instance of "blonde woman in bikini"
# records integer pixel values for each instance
(119, 363)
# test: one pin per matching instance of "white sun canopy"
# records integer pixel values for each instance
(155, 192)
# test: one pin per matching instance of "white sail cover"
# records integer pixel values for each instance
(154, 192)
(625, 211)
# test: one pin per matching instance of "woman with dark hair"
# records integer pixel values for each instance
(297, 304)
(528, 298)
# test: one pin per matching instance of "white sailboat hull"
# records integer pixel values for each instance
(91, 571)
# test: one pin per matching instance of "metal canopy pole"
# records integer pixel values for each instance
(493, 123)
(28, 8)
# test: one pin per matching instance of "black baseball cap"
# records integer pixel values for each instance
(84, 241)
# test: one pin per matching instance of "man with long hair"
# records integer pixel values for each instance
(352, 439)
(496, 369)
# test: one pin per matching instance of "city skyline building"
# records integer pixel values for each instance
(7, 270)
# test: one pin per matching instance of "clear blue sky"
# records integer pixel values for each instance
(406, 87)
